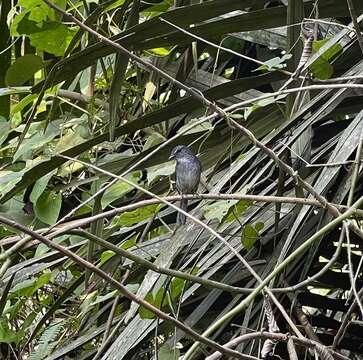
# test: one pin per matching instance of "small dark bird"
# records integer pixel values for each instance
(187, 175)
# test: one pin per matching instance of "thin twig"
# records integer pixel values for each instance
(110, 319)
(316, 276)
(355, 174)
(339, 79)
(219, 47)
(345, 322)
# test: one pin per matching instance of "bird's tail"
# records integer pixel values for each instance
(180, 219)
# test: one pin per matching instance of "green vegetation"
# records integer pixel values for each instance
(92, 264)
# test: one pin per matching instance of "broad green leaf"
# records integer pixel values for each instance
(261, 103)
(102, 298)
(37, 140)
(259, 226)
(329, 53)
(176, 287)
(154, 139)
(22, 103)
(321, 68)
(118, 190)
(166, 352)
(43, 248)
(157, 171)
(145, 313)
(13, 310)
(29, 320)
(275, 63)
(154, 299)
(133, 217)
(133, 287)
(30, 286)
(250, 234)
(237, 210)
(23, 69)
(218, 210)
(8, 179)
(21, 25)
(70, 139)
(48, 207)
(40, 186)
(159, 51)
(14, 210)
(106, 255)
(128, 243)
(39, 11)
(54, 40)
(8, 335)
(206, 126)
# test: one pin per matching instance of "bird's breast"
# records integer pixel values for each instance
(187, 175)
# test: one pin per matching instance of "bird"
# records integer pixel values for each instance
(187, 175)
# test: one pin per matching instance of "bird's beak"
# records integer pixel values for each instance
(171, 157)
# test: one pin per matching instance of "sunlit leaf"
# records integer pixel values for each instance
(30, 286)
(106, 255)
(48, 207)
(159, 51)
(321, 67)
(275, 63)
(145, 313)
(23, 103)
(54, 40)
(176, 287)
(133, 217)
(166, 352)
(237, 209)
(218, 210)
(250, 234)
(119, 189)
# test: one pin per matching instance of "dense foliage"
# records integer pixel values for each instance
(86, 129)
